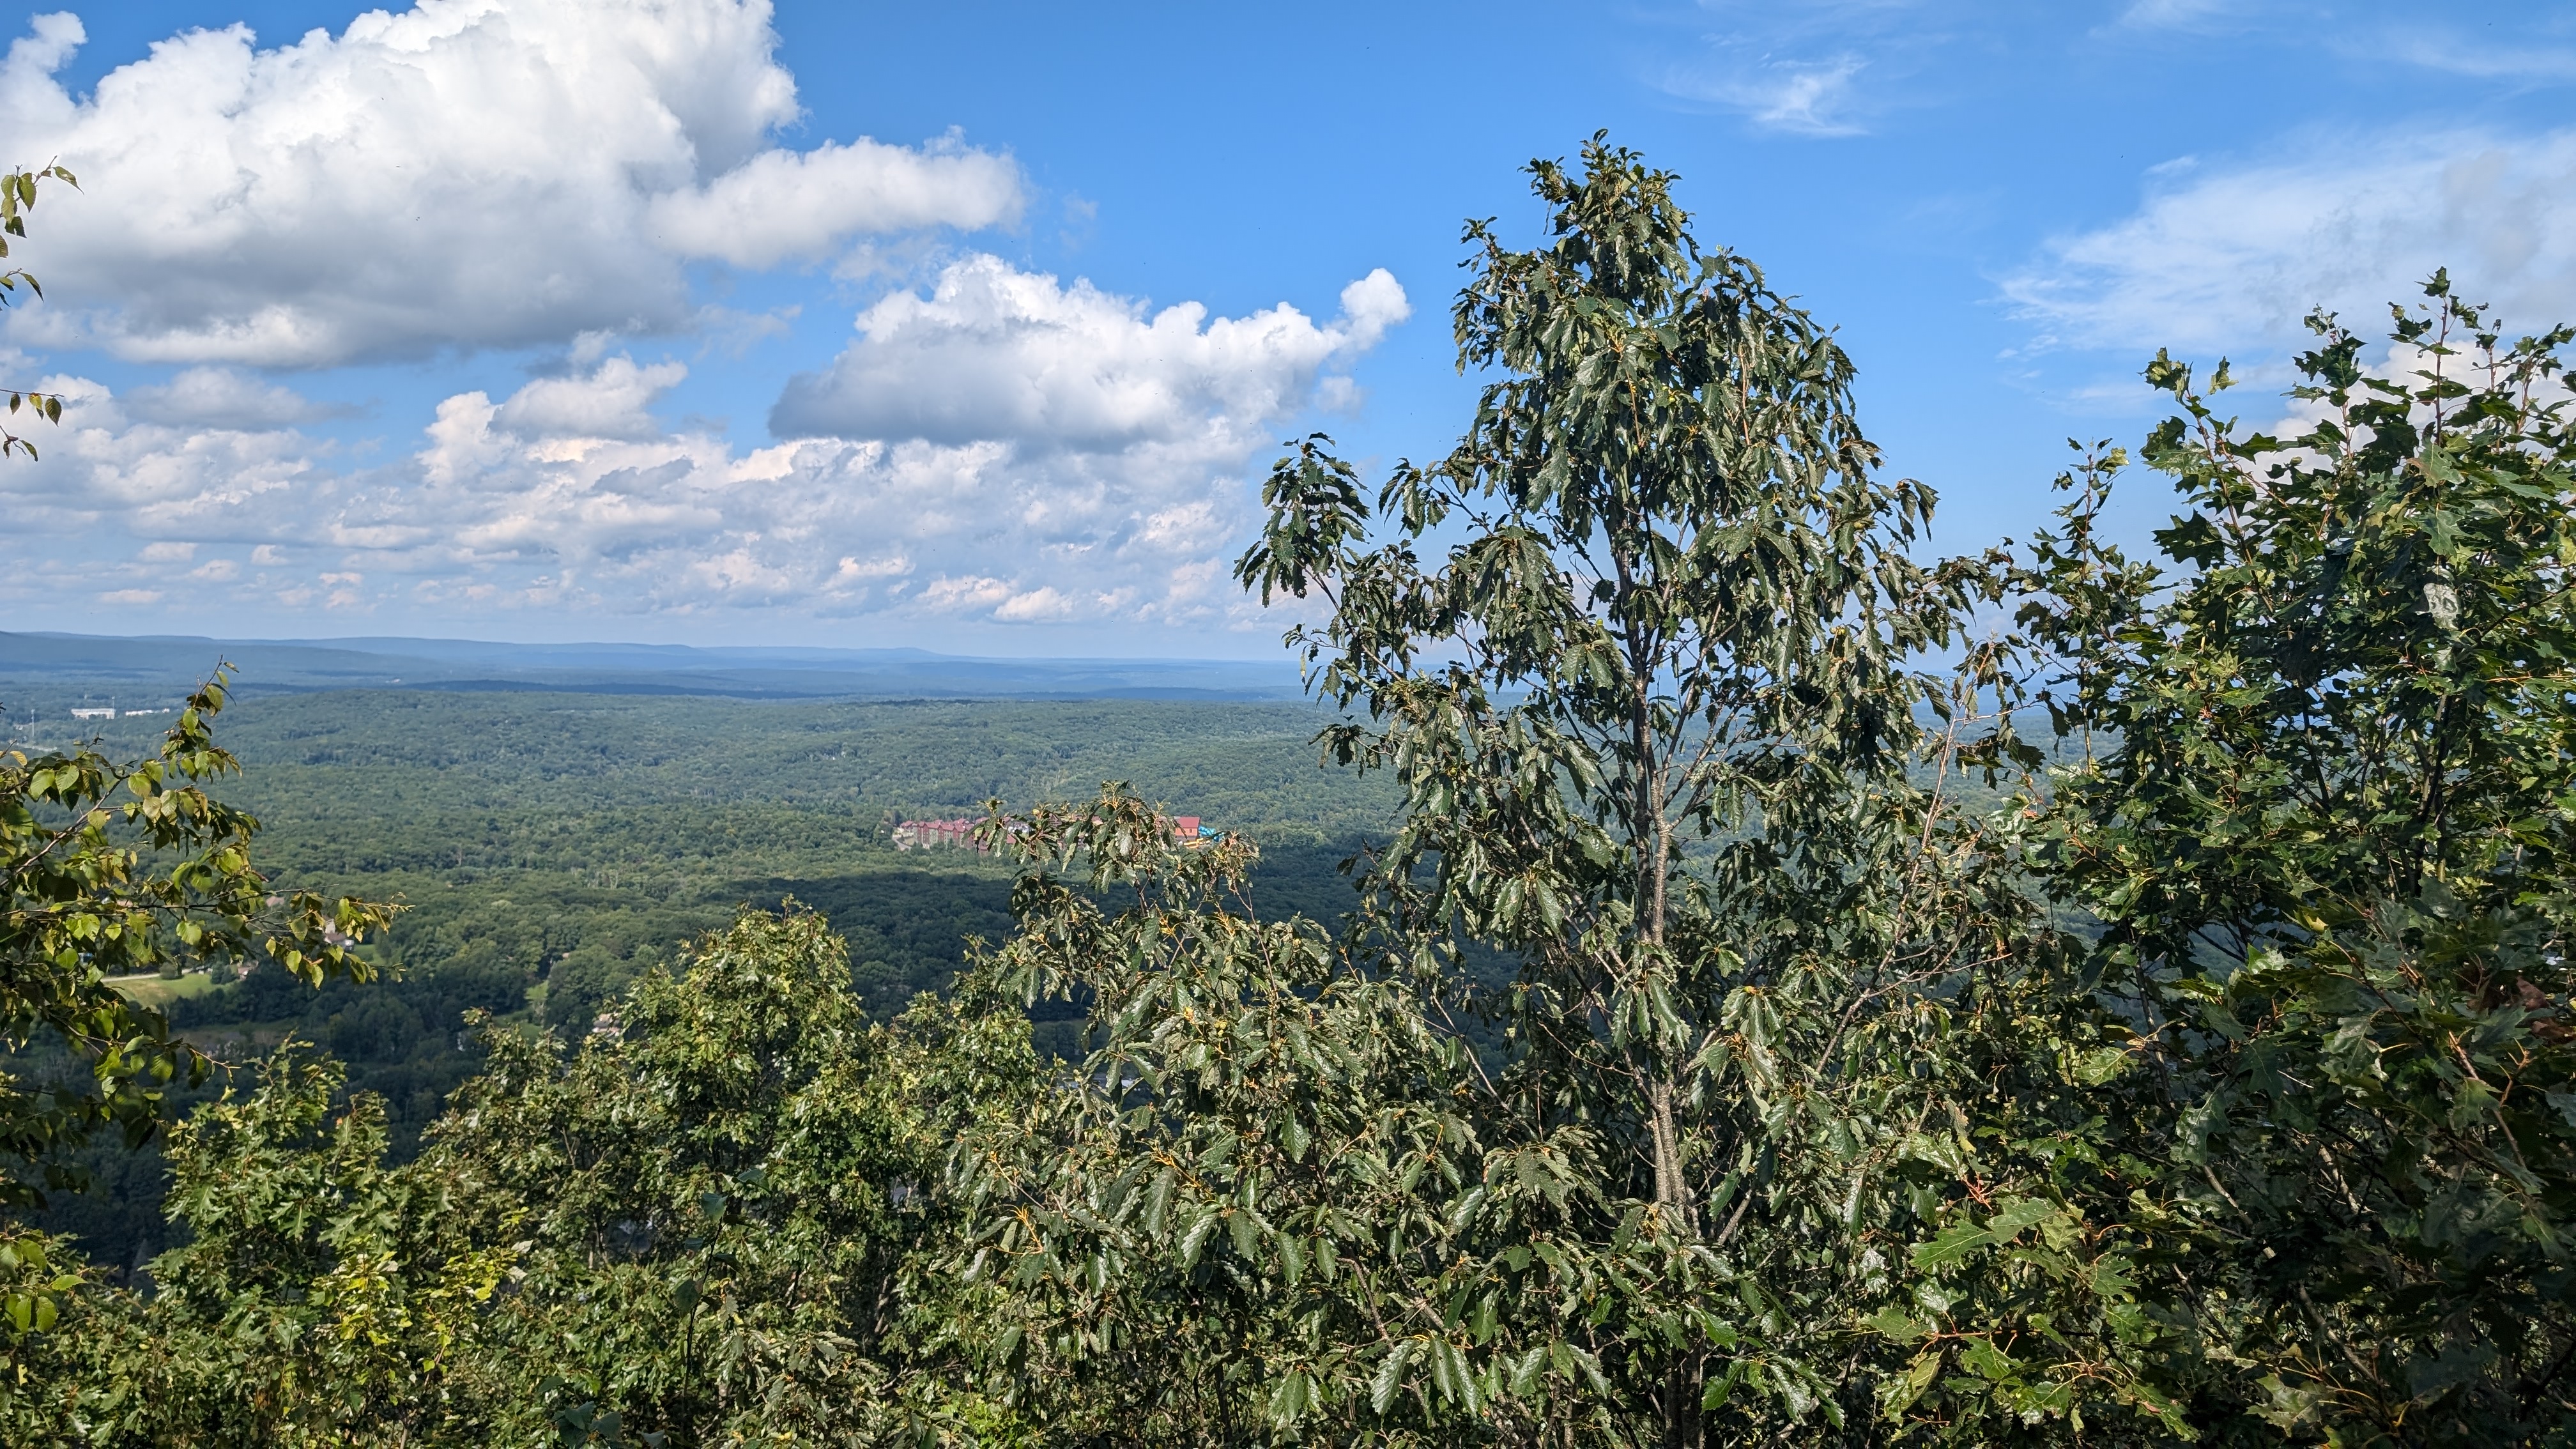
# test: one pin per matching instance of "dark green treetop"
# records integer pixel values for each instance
(2325, 825)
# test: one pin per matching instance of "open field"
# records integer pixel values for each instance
(161, 991)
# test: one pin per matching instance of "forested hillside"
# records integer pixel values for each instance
(548, 848)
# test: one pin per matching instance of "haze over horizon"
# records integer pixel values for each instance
(972, 328)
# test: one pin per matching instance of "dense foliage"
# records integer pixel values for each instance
(691, 1231)
(2328, 838)
(1660, 738)
(112, 867)
(1753, 1027)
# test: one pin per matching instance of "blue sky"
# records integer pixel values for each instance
(971, 326)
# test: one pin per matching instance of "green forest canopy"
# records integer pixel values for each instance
(2202, 1073)
(550, 848)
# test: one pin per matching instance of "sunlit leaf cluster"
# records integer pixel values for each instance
(123, 867)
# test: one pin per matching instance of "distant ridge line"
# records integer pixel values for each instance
(164, 662)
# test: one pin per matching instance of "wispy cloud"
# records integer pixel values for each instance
(2519, 58)
(1802, 97)
(1844, 67)
(2220, 257)
(2175, 14)
(1804, 68)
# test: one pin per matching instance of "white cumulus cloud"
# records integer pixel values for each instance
(803, 203)
(224, 397)
(107, 473)
(462, 174)
(608, 403)
(1020, 453)
(994, 353)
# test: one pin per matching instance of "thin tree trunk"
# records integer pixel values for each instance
(1652, 836)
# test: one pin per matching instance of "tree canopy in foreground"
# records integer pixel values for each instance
(1866, 1062)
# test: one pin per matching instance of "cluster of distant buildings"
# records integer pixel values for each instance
(959, 834)
(109, 711)
(925, 834)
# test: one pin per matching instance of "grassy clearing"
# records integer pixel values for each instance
(159, 992)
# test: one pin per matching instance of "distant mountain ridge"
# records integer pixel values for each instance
(158, 664)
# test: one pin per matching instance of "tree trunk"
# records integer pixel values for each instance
(1652, 836)
(1672, 1196)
